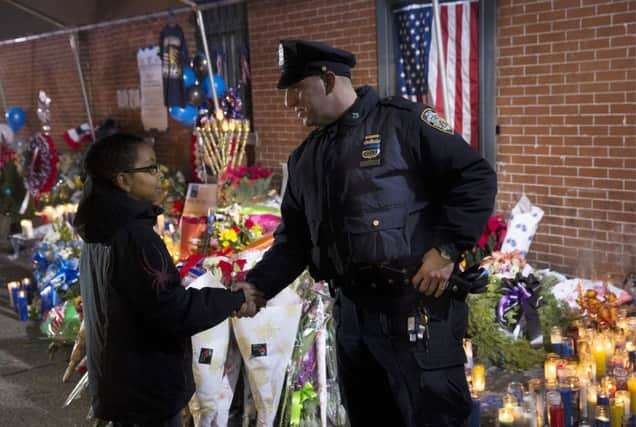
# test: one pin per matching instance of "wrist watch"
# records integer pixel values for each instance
(446, 253)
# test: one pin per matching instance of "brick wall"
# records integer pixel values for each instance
(566, 106)
(349, 26)
(109, 63)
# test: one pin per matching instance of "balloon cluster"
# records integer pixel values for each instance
(196, 81)
(232, 105)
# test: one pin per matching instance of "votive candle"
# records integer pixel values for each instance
(631, 387)
(479, 378)
(617, 411)
(10, 287)
(550, 367)
(623, 396)
(22, 305)
(600, 357)
(506, 418)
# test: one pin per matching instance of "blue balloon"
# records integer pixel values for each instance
(15, 118)
(189, 77)
(219, 85)
(186, 115)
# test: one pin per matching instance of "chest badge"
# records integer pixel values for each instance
(371, 151)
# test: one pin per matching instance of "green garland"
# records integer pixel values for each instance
(490, 343)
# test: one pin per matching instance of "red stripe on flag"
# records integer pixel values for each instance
(474, 75)
(439, 100)
(459, 107)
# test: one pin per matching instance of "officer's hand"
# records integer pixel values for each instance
(254, 299)
(432, 277)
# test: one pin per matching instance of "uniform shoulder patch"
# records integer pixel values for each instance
(430, 117)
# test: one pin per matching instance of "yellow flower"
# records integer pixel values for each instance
(225, 244)
(229, 234)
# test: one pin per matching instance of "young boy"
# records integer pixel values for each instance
(138, 317)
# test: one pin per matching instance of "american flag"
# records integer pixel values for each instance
(417, 61)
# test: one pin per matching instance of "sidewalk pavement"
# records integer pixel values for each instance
(31, 388)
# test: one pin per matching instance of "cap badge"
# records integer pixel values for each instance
(281, 55)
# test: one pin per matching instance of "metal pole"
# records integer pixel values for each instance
(442, 59)
(137, 18)
(2, 98)
(206, 51)
(207, 55)
(35, 13)
(81, 79)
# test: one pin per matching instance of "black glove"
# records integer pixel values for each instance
(473, 280)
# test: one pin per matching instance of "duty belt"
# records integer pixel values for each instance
(386, 277)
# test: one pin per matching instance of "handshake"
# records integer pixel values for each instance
(254, 299)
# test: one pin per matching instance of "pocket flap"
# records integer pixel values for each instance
(375, 221)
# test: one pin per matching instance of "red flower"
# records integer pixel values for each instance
(249, 224)
(226, 268)
(236, 229)
(177, 207)
(495, 227)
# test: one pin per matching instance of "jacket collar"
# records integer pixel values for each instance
(107, 208)
(365, 103)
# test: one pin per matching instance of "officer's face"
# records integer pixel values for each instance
(308, 99)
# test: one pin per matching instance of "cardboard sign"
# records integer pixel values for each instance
(193, 225)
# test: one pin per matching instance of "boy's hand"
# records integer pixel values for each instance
(254, 299)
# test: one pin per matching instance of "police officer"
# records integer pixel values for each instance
(381, 199)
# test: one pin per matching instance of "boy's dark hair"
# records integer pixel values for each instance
(112, 154)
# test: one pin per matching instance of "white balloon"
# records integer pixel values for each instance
(6, 133)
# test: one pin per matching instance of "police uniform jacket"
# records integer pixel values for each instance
(382, 185)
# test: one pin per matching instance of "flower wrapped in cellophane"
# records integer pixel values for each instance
(311, 395)
(266, 342)
(216, 365)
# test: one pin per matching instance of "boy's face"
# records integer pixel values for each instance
(143, 181)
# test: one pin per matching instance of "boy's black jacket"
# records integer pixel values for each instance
(138, 317)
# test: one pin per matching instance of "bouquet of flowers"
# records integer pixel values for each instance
(232, 231)
(56, 262)
(490, 241)
(174, 190)
(244, 183)
(505, 264)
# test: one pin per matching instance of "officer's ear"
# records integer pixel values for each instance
(329, 79)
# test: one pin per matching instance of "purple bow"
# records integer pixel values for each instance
(520, 291)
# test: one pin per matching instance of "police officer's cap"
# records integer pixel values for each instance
(299, 59)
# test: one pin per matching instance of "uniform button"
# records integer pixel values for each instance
(455, 289)
(391, 281)
(375, 222)
(373, 285)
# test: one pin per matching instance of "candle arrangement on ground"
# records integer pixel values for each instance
(589, 378)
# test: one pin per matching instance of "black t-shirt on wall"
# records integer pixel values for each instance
(174, 52)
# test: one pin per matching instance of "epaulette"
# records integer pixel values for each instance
(401, 103)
